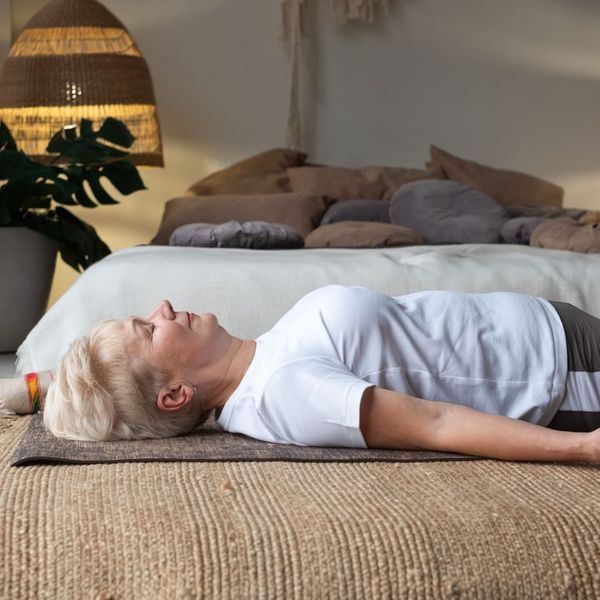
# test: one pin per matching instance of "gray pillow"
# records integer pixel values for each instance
(519, 229)
(525, 210)
(448, 212)
(357, 210)
(257, 235)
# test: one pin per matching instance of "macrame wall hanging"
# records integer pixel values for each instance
(293, 31)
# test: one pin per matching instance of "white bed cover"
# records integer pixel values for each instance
(249, 290)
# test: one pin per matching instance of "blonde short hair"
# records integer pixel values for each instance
(100, 393)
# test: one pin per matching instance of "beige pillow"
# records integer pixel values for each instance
(564, 233)
(506, 187)
(395, 177)
(262, 173)
(361, 234)
(270, 183)
(303, 212)
(367, 183)
(336, 182)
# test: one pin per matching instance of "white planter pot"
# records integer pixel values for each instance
(27, 261)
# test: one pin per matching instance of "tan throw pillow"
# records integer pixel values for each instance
(506, 187)
(262, 173)
(564, 233)
(394, 178)
(367, 183)
(591, 216)
(271, 183)
(303, 212)
(361, 234)
(336, 182)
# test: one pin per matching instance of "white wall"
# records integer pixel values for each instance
(513, 84)
(509, 83)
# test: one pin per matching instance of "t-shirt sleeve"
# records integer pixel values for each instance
(314, 402)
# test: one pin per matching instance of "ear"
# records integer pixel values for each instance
(175, 396)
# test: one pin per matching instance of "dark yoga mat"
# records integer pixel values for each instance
(207, 443)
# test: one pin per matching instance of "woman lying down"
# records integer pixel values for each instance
(500, 374)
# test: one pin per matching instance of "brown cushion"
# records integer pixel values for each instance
(371, 182)
(262, 173)
(361, 234)
(273, 183)
(565, 233)
(506, 187)
(303, 212)
(336, 182)
(395, 177)
(590, 216)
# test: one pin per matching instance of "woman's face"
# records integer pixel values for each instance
(178, 342)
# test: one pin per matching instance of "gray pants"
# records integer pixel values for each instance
(580, 407)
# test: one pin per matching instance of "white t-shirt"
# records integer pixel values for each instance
(500, 352)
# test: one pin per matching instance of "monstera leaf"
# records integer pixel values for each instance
(88, 156)
(91, 158)
(78, 243)
(89, 146)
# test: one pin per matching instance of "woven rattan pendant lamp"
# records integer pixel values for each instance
(74, 59)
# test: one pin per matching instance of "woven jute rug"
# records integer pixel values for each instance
(183, 530)
(207, 443)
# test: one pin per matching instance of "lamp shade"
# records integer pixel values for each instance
(74, 59)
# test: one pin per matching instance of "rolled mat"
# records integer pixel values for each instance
(209, 442)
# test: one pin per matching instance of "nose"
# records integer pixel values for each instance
(163, 309)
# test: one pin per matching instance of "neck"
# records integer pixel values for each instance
(235, 364)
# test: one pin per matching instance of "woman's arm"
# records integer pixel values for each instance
(18, 394)
(392, 420)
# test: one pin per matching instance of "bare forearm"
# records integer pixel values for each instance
(468, 431)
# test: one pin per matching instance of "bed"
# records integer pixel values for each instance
(250, 290)
(480, 528)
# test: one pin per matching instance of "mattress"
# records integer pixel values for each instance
(249, 290)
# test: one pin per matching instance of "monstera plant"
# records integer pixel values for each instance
(34, 194)
(35, 221)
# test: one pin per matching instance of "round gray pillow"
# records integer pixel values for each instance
(448, 212)
(357, 210)
(519, 229)
(257, 235)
